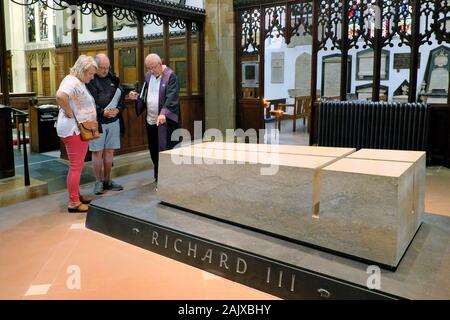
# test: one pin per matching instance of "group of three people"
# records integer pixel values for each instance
(91, 92)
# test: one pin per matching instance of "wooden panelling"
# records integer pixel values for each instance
(60, 70)
(128, 75)
(46, 83)
(34, 80)
(251, 114)
(20, 100)
(438, 152)
(191, 110)
(195, 80)
(134, 137)
(6, 144)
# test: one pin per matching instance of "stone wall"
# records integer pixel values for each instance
(219, 65)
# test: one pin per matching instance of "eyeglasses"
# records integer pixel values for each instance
(153, 67)
(103, 68)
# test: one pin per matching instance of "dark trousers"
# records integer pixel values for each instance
(153, 146)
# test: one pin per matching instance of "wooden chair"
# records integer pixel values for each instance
(248, 93)
(272, 105)
(300, 109)
(278, 114)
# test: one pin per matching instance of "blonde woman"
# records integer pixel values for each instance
(75, 100)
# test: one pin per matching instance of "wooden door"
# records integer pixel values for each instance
(249, 71)
(127, 66)
(46, 83)
(34, 80)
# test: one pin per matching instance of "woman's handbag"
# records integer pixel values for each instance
(88, 130)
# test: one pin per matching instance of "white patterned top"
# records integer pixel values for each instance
(81, 102)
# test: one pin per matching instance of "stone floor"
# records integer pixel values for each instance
(49, 254)
(47, 167)
(288, 136)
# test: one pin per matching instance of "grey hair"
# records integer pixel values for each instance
(98, 57)
(153, 56)
(82, 64)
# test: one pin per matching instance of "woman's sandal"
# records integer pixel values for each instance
(86, 199)
(80, 208)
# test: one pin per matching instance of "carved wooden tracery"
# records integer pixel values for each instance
(301, 17)
(275, 21)
(250, 24)
(343, 25)
(362, 20)
(134, 12)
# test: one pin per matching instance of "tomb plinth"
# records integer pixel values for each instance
(283, 268)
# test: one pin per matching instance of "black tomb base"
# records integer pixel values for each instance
(276, 266)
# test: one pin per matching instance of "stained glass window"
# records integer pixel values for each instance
(31, 24)
(43, 22)
(405, 19)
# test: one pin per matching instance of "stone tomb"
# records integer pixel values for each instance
(358, 207)
(283, 201)
(366, 209)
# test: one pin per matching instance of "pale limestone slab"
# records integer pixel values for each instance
(390, 155)
(367, 209)
(287, 149)
(283, 203)
(193, 154)
(418, 158)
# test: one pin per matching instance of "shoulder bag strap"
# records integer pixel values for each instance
(76, 120)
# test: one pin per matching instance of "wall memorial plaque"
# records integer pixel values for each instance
(331, 75)
(402, 61)
(302, 76)
(364, 65)
(277, 72)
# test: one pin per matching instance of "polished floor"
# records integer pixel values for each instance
(47, 253)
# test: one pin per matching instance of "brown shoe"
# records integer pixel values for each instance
(80, 208)
(86, 199)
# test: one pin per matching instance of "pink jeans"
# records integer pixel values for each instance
(76, 151)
